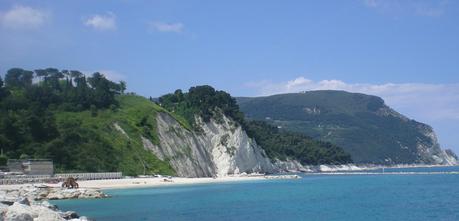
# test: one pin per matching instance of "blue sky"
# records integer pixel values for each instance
(405, 51)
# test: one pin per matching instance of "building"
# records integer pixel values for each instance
(31, 166)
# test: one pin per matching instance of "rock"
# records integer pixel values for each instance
(9, 203)
(70, 215)
(4, 206)
(49, 205)
(45, 214)
(41, 193)
(3, 209)
(18, 212)
(24, 201)
(57, 194)
(21, 204)
(283, 177)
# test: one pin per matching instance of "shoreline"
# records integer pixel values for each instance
(310, 169)
(127, 183)
(145, 182)
(31, 200)
(132, 183)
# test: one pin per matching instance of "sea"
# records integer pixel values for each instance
(425, 197)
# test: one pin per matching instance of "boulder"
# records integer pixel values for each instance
(18, 212)
(45, 214)
(3, 209)
(70, 215)
(49, 205)
(24, 201)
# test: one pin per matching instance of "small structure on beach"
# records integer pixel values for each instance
(31, 166)
(70, 183)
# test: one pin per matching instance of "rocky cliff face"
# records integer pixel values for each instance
(427, 146)
(429, 150)
(218, 149)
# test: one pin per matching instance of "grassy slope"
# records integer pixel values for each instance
(131, 112)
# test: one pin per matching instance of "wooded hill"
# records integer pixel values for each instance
(72, 119)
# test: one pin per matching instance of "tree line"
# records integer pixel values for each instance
(203, 101)
(70, 89)
(29, 102)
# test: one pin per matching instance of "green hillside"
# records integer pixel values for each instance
(362, 124)
(70, 118)
(136, 116)
(209, 103)
(88, 123)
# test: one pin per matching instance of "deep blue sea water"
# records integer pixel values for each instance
(327, 198)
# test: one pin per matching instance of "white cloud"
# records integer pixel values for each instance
(106, 22)
(431, 102)
(23, 17)
(166, 27)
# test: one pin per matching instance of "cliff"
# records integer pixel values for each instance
(218, 149)
(363, 125)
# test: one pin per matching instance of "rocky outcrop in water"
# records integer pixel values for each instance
(28, 203)
(46, 193)
(35, 211)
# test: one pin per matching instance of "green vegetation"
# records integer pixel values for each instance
(88, 123)
(208, 103)
(70, 118)
(289, 145)
(203, 101)
(3, 160)
(361, 124)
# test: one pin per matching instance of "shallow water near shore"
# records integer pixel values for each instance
(318, 197)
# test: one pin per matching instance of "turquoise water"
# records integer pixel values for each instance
(350, 197)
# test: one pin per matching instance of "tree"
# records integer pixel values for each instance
(68, 78)
(41, 73)
(103, 90)
(203, 101)
(3, 92)
(75, 75)
(3, 160)
(122, 86)
(54, 75)
(18, 77)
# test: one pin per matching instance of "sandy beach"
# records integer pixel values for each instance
(146, 182)
(154, 182)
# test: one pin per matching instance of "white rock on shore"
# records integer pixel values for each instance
(30, 212)
(25, 203)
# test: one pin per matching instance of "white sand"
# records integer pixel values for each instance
(145, 182)
(155, 182)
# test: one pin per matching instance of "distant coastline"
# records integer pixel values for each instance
(361, 167)
(293, 166)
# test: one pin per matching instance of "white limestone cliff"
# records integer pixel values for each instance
(217, 149)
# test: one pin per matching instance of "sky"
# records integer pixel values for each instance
(405, 51)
